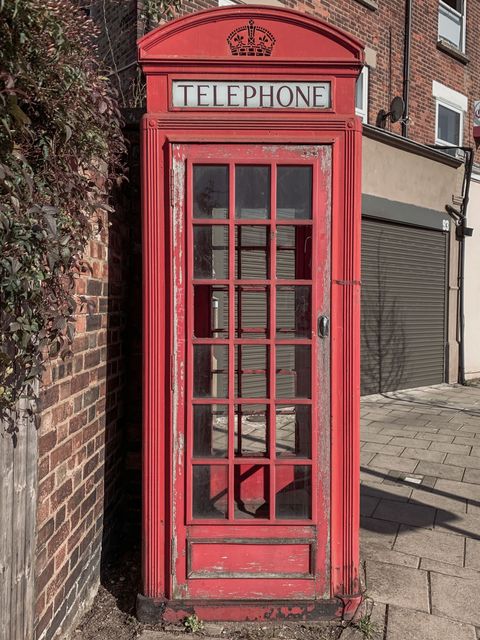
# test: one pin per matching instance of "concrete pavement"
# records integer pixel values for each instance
(420, 504)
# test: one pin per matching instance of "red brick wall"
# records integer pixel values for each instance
(80, 439)
(383, 31)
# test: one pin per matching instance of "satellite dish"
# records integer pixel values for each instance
(397, 107)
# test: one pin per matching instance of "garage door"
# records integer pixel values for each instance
(403, 331)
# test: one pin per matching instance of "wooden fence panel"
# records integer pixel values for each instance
(18, 505)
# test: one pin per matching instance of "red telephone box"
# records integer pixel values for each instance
(251, 230)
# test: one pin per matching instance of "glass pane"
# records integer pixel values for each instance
(251, 491)
(450, 23)
(251, 371)
(251, 430)
(293, 371)
(293, 497)
(294, 312)
(294, 193)
(210, 191)
(252, 192)
(210, 311)
(251, 312)
(359, 92)
(294, 253)
(210, 251)
(210, 430)
(210, 371)
(251, 252)
(448, 125)
(293, 431)
(210, 493)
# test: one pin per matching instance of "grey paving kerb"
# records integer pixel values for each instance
(420, 504)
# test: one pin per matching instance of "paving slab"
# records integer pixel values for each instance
(388, 492)
(371, 474)
(378, 553)
(412, 442)
(472, 427)
(468, 441)
(377, 447)
(378, 532)
(460, 524)
(366, 457)
(368, 504)
(470, 462)
(428, 543)
(375, 437)
(472, 554)
(370, 427)
(433, 499)
(415, 625)
(449, 569)
(439, 470)
(450, 430)
(423, 454)
(393, 584)
(419, 428)
(418, 515)
(454, 488)
(455, 598)
(439, 437)
(445, 447)
(394, 463)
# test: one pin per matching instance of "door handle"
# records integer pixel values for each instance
(323, 326)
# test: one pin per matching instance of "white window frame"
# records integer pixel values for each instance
(450, 107)
(362, 111)
(448, 9)
(453, 100)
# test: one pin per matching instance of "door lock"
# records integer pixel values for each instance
(323, 326)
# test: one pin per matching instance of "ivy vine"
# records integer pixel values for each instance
(60, 152)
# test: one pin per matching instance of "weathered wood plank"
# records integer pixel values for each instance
(18, 504)
(6, 513)
(30, 526)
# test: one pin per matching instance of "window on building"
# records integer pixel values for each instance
(451, 23)
(449, 125)
(361, 95)
(450, 108)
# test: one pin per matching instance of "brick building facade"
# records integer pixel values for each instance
(90, 425)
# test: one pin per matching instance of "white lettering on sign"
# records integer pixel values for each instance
(250, 95)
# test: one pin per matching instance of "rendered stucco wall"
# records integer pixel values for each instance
(472, 285)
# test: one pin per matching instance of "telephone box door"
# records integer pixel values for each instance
(250, 371)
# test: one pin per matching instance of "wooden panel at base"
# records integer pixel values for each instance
(244, 559)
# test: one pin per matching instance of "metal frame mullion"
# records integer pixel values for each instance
(231, 336)
(189, 328)
(272, 317)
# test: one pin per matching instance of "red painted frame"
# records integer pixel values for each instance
(323, 52)
(186, 155)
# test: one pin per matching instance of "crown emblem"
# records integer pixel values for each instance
(251, 40)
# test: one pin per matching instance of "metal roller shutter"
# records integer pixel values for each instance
(403, 330)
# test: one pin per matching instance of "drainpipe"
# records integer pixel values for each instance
(406, 65)
(462, 231)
